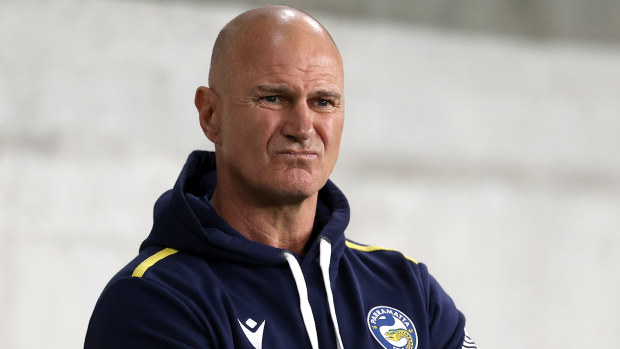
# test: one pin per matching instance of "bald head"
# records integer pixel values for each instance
(263, 24)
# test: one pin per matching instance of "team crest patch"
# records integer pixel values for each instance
(392, 328)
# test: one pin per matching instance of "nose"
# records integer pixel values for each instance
(298, 123)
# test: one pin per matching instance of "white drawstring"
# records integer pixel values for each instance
(304, 305)
(325, 252)
(324, 260)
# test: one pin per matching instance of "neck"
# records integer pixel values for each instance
(288, 226)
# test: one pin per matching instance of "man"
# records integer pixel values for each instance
(248, 249)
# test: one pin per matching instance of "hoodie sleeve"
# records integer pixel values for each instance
(447, 323)
(139, 313)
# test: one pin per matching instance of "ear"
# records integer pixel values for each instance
(207, 103)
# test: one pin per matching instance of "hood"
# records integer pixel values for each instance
(185, 220)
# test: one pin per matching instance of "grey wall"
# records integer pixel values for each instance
(592, 20)
(492, 159)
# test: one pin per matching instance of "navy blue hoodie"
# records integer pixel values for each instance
(198, 283)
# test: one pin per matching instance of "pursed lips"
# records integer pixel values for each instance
(298, 155)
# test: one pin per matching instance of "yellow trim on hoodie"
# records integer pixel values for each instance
(149, 262)
(365, 248)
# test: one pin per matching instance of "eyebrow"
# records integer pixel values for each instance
(329, 94)
(275, 89)
(285, 90)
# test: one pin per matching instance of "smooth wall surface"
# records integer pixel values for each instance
(494, 160)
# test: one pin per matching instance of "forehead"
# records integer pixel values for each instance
(295, 69)
(299, 53)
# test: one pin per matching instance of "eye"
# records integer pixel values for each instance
(323, 102)
(271, 99)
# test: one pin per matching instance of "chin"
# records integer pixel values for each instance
(297, 189)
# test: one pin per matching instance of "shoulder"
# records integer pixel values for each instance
(158, 265)
(149, 259)
(156, 274)
(370, 255)
(376, 262)
(149, 293)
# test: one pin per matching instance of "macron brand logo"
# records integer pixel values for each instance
(253, 333)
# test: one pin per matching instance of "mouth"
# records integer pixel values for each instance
(298, 155)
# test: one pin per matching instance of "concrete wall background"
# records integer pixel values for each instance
(492, 159)
(537, 19)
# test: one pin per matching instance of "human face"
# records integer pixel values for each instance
(281, 117)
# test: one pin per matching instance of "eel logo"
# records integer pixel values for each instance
(392, 328)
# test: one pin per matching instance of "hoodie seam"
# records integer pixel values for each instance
(150, 261)
(371, 248)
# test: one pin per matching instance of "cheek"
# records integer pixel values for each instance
(250, 130)
(265, 128)
(330, 132)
